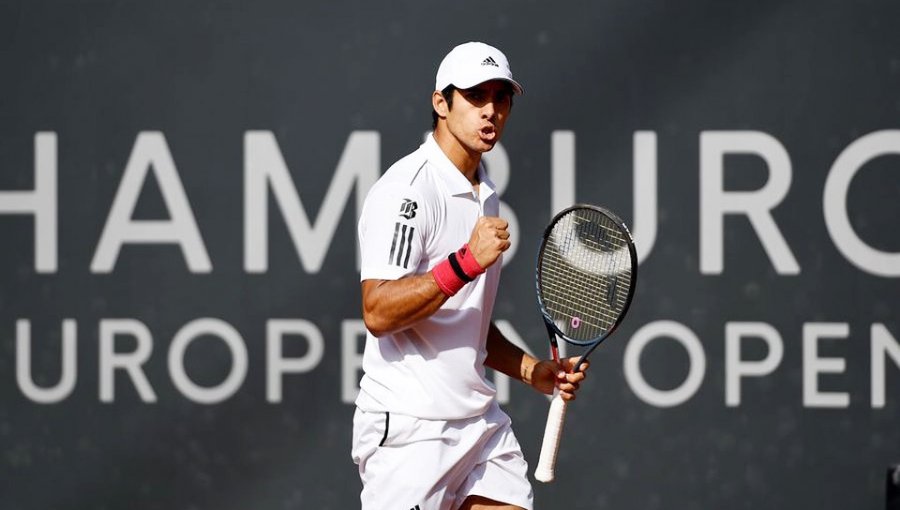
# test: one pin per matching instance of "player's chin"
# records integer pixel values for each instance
(483, 146)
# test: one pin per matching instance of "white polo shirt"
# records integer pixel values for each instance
(418, 212)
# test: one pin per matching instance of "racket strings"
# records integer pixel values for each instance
(585, 273)
(584, 310)
(589, 312)
(573, 306)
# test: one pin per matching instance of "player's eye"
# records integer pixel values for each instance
(475, 96)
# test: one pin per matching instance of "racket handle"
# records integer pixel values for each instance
(546, 468)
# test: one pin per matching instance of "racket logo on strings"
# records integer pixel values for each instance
(611, 292)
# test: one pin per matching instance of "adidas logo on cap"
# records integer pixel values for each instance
(489, 62)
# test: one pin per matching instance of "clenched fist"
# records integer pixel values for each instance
(489, 239)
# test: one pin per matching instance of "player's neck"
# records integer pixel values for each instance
(465, 160)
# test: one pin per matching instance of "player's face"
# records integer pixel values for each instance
(478, 114)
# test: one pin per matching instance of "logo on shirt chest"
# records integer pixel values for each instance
(408, 209)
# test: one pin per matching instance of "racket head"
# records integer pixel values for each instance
(586, 274)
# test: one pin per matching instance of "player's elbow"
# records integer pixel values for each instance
(375, 323)
(377, 328)
(373, 308)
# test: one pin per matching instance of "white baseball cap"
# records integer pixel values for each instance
(473, 63)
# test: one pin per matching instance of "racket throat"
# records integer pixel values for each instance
(554, 345)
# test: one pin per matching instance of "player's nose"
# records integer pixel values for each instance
(489, 110)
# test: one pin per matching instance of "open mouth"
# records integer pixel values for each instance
(488, 134)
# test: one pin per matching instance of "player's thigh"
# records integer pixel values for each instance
(483, 503)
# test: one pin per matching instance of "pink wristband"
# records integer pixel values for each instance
(446, 278)
(459, 269)
(467, 262)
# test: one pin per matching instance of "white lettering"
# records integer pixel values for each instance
(562, 170)
(736, 368)
(834, 203)
(235, 344)
(715, 202)
(131, 362)
(41, 202)
(151, 151)
(276, 330)
(696, 369)
(562, 174)
(264, 165)
(69, 375)
(645, 194)
(813, 365)
(882, 343)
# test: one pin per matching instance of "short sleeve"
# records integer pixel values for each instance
(390, 232)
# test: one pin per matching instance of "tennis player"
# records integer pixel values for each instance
(428, 433)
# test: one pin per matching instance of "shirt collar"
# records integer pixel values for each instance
(456, 182)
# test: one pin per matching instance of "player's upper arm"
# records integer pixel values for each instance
(391, 233)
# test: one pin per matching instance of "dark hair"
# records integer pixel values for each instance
(448, 96)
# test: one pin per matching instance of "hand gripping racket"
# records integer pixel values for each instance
(586, 274)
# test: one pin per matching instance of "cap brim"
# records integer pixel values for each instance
(517, 88)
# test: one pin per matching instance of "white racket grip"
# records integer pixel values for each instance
(546, 468)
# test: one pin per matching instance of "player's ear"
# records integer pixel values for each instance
(439, 103)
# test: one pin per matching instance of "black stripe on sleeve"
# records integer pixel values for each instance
(402, 243)
(408, 247)
(394, 243)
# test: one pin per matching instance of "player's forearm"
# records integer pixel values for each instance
(394, 305)
(507, 358)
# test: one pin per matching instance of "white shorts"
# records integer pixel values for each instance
(409, 463)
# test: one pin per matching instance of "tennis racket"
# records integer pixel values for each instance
(585, 278)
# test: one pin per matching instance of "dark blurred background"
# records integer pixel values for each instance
(189, 99)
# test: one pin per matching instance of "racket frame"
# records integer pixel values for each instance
(552, 329)
(546, 467)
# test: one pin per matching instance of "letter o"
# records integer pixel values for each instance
(696, 371)
(235, 344)
(834, 203)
